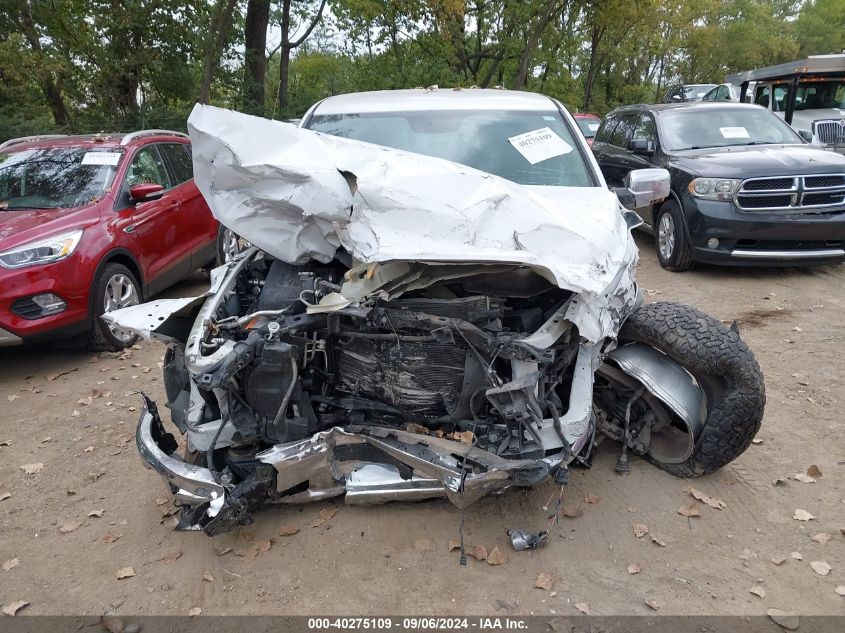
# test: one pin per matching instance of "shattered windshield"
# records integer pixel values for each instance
(55, 177)
(527, 147)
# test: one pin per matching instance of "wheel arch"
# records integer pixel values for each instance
(117, 256)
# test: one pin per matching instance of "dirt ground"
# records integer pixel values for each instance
(75, 413)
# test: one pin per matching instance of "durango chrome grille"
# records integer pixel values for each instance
(816, 191)
(830, 132)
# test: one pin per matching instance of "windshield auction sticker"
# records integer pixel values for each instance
(101, 158)
(734, 132)
(539, 145)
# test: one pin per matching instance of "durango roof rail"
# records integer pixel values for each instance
(133, 135)
(26, 139)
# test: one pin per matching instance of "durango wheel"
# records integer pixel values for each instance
(673, 246)
(229, 245)
(115, 287)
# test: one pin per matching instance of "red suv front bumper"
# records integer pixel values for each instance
(20, 320)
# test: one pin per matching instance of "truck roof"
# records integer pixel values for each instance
(812, 65)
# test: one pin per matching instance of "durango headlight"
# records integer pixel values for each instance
(46, 251)
(713, 188)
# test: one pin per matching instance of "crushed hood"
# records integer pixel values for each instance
(300, 195)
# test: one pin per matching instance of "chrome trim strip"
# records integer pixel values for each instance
(814, 254)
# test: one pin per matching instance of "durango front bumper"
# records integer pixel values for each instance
(763, 237)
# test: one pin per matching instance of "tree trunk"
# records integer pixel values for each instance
(532, 43)
(593, 66)
(51, 91)
(218, 33)
(255, 62)
(284, 61)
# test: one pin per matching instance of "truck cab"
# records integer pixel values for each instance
(808, 94)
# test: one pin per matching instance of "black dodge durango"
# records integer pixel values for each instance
(746, 188)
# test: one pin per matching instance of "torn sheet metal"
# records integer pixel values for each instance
(300, 195)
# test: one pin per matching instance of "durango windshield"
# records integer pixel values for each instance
(477, 138)
(722, 127)
(55, 177)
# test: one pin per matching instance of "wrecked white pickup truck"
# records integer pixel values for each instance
(450, 318)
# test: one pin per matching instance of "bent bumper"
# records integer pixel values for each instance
(190, 484)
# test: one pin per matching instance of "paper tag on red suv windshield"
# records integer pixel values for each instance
(101, 158)
(539, 145)
(734, 132)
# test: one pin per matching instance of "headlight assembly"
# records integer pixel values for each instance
(714, 188)
(46, 251)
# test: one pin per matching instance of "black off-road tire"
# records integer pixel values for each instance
(712, 353)
(681, 258)
(101, 339)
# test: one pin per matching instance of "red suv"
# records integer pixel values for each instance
(588, 123)
(93, 223)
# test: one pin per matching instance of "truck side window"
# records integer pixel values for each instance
(761, 97)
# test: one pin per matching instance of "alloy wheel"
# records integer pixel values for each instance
(120, 293)
(666, 236)
(231, 245)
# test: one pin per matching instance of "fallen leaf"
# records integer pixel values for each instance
(780, 481)
(803, 515)
(13, 607)
(89, 449)
(583, 607)
(264, 546)
(797, 556)
(194, 611)
(325, 515)
(572, 513)
(413, 427)
(288, 530)
(31, 469)
(840, 590)
(207, 577)
(820, 567)
(70, 526)
(778, 560)
(125, 572)
(10, 564)
(544, 581)
(814, 471)
(822, 537)
(747, 554)
(497, 556)
(756, 440)
(111, 538)
(222, 551)
(5, 495)
(785, 619)
(454, 544)
(112, 623)
(465, 437)
(46, 439)
(804, 478)
(653, 604)
(758, 591)
(657, 541)
(690, 510)
(172, 556)
(13, 397)
(6, 443)
(634, 568)
(713, 502)
(591, 498)
(478, 552)
(97, 513)
(640, 529)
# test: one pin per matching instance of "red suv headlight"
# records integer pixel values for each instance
(45, 251)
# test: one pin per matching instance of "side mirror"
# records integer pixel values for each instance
(644, 187)
(146, 191)
(807, 135)
(641, 146)
(675, 97)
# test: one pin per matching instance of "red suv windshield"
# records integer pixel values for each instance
(55, 177)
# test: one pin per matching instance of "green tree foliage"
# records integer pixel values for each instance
(91, 65)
